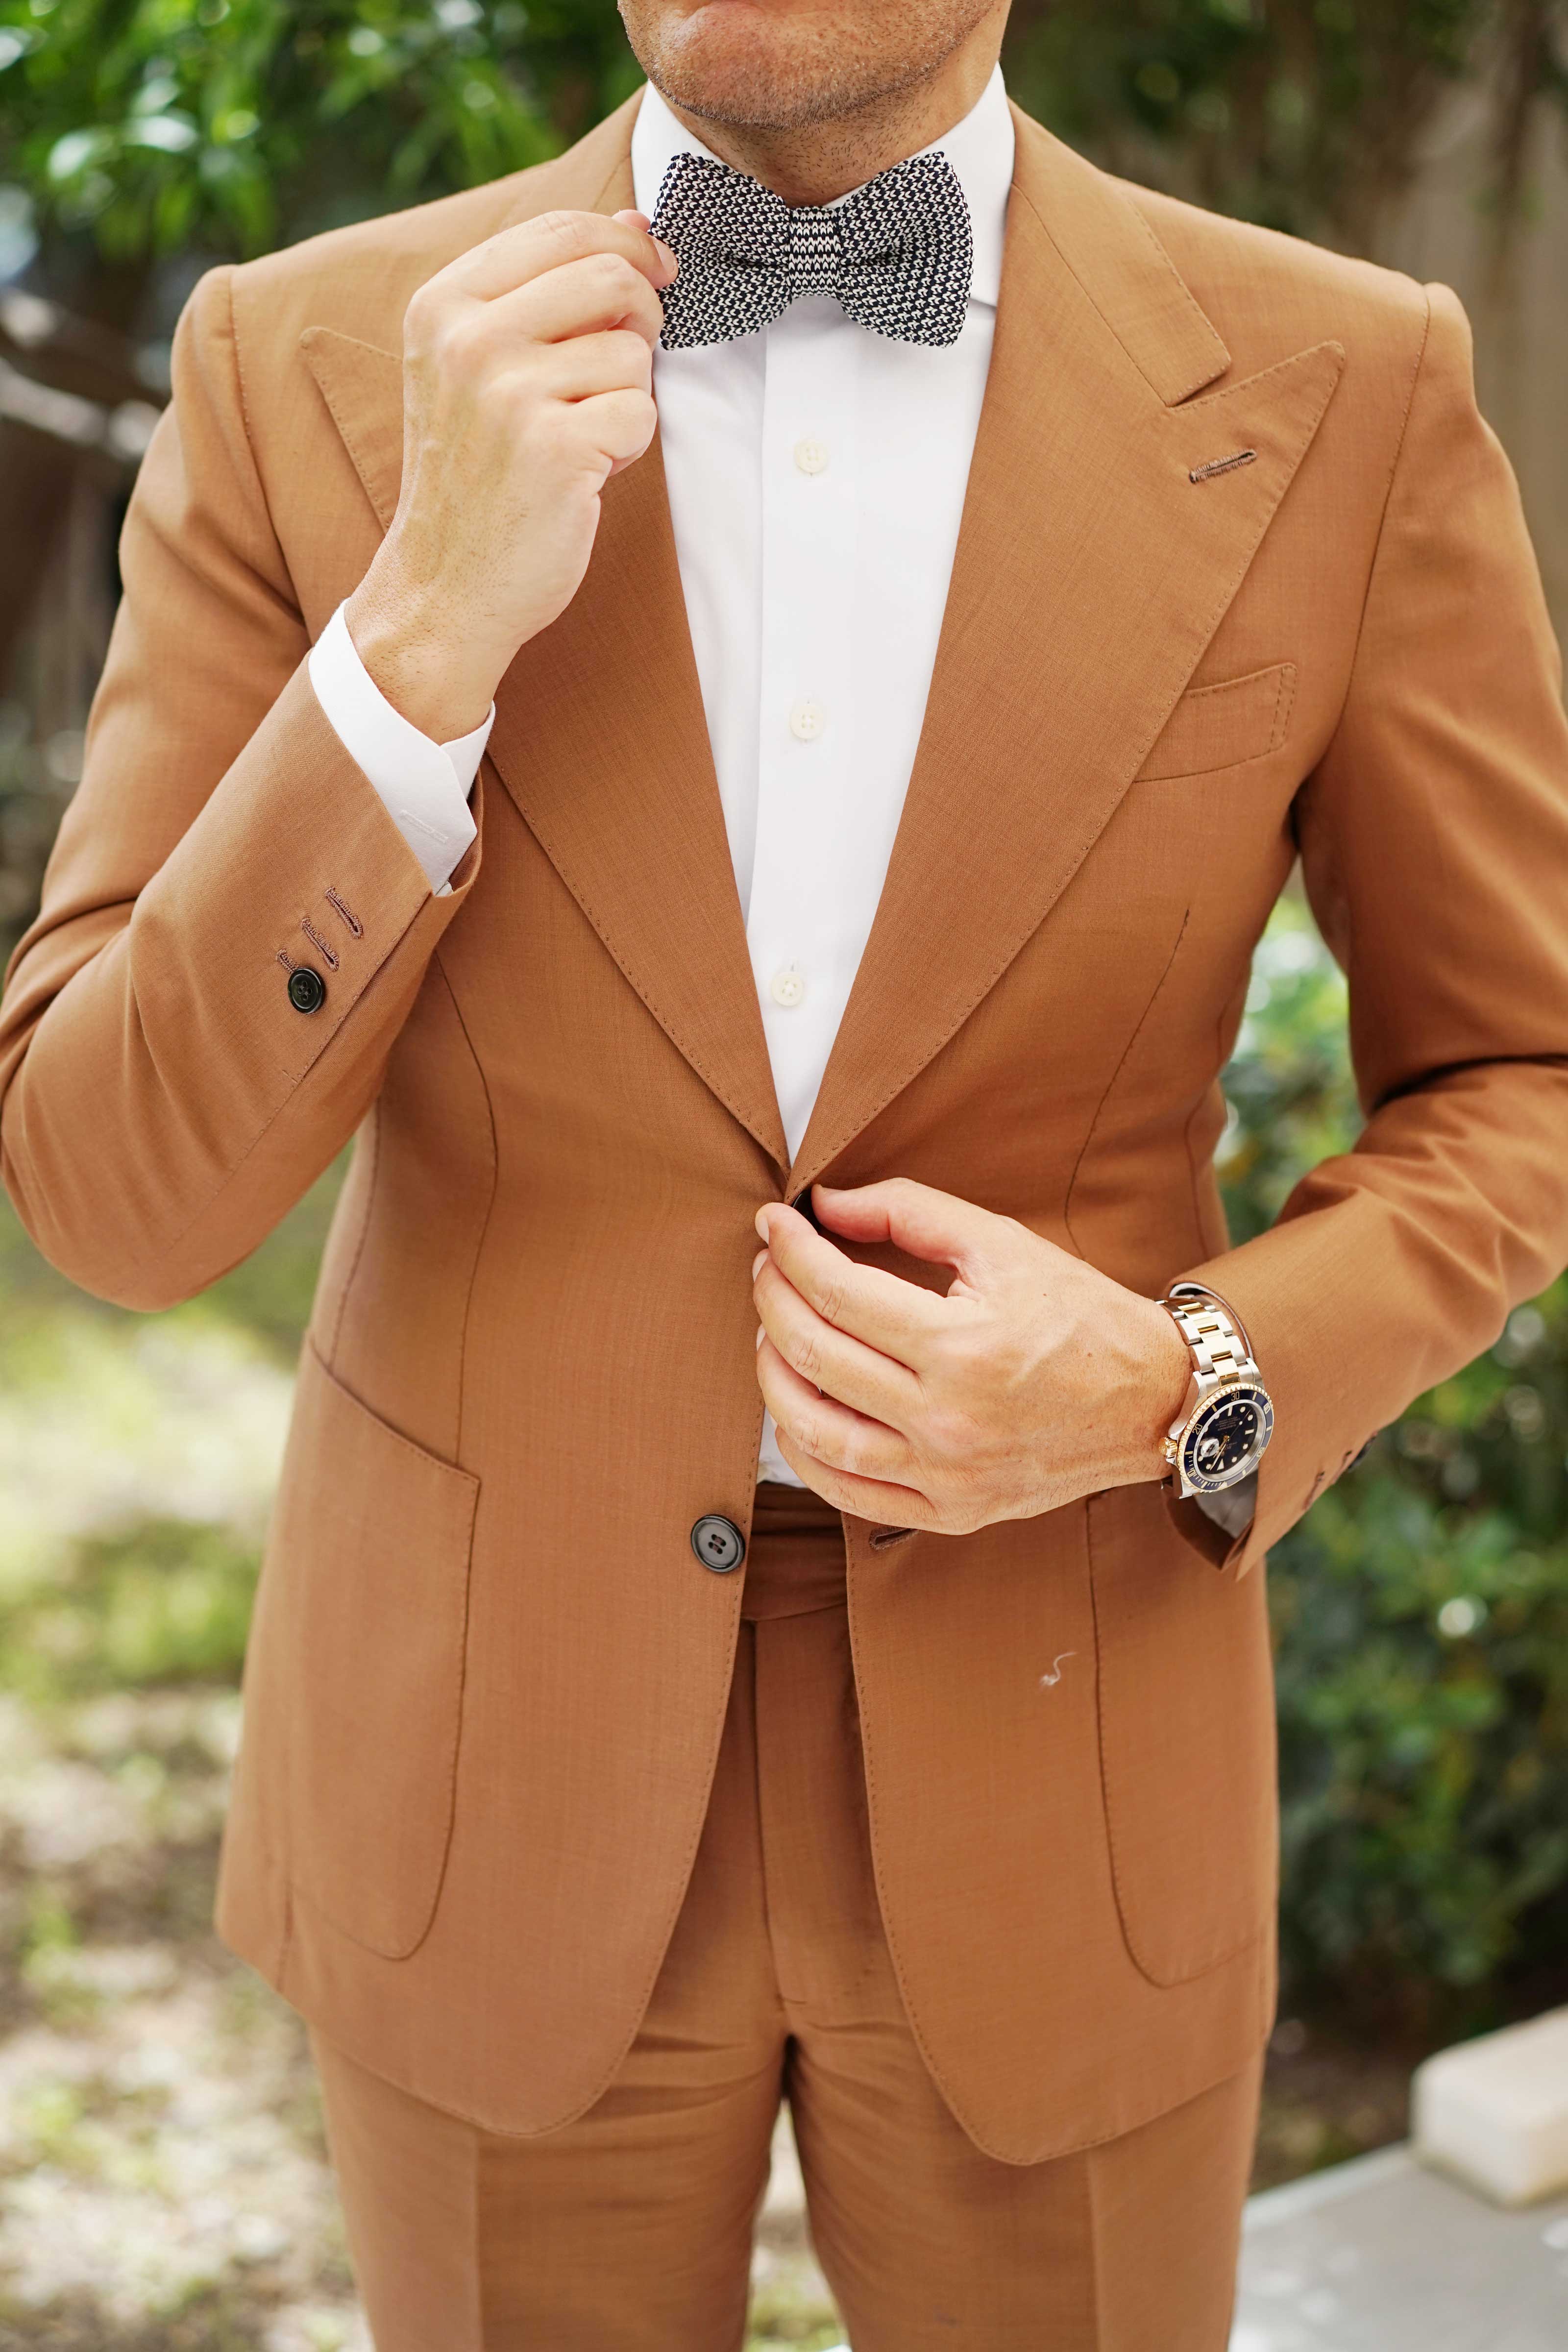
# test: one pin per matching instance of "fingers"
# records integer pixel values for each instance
(894, 1317)
(603, 291)
(827, 1432)
(617, 361)
(514, 256)
(918, 1220)
(856, 1375)
(865, 1498)
(620, 424)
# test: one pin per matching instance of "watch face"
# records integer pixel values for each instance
(1226, 1437)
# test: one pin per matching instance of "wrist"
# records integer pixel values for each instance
(414, 657)
(1162, 1370)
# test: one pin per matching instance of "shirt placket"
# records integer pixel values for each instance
(810, 540)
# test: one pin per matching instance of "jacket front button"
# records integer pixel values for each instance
(718, 1544)
(307, 988)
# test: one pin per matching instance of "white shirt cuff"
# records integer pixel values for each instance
(423, 785)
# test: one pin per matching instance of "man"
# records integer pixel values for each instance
(891, 767)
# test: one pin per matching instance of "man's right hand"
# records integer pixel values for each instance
(527, 382)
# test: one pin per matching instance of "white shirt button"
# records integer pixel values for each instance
(807, 721)
(810, 455)
(788, 986)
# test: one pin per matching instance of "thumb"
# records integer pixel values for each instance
(916, 1218)
(633, 219)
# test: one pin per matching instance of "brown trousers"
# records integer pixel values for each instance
(630, 2229)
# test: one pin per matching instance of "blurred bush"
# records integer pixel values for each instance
(136, 1457)
(236, 125)
(162, 1600)
(1422, 1617)
(1308, 115)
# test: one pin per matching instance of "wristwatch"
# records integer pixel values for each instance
(1227, 1416)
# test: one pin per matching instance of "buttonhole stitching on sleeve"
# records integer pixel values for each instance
(317, 941)
(352, 921)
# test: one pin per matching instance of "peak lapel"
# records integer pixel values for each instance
(1090, 573)
(361, 383)
(600, 736)
(362, 387)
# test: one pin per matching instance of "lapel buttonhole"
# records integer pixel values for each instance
(1221, 466)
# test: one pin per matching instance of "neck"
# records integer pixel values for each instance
(813, 164)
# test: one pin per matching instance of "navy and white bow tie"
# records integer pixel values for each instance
(897, 255)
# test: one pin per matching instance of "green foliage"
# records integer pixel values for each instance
(1423, 1727)
(1291, 1096)
(152, 1598)
(269, 1293)
(1421, 1612)
(1302, 114)
(235, 125)
(788, 2308)
(161, 1601)
(1289, 112)
(1298, 114)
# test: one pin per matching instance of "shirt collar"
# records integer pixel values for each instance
(980, 150)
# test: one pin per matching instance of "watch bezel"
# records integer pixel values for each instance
(1252, 1392)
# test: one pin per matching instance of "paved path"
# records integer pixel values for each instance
(1381, 2255)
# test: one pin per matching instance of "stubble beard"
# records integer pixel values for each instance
(773, 75)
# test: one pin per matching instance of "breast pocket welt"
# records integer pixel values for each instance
(1225, 724)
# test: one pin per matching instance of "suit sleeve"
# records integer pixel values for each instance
(163, 1099)
(1434, 840)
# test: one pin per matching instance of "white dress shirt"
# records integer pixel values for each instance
(817, 475)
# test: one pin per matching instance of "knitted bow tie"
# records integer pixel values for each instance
(897, 255)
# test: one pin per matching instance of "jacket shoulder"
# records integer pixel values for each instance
(1268, 293)
(359, 278)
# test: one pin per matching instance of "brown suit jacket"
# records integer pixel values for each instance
(488, 1674)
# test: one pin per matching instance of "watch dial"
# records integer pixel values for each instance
(1224, 1438)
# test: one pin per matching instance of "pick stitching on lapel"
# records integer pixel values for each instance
(362, 387)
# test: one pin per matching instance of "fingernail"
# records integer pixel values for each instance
(761, 1223)
(667, 257)
(761, 1335)
(761, 1259)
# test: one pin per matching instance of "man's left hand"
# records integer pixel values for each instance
(1034, 1380)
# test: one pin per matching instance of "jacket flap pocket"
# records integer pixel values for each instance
(356, 1666)
(1220, 726)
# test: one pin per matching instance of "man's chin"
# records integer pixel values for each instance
(732, 63)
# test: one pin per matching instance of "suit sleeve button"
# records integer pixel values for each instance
(718, 1544)
(307, 988)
